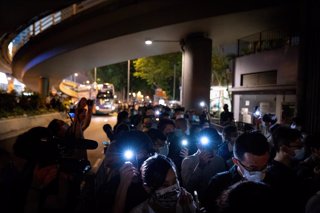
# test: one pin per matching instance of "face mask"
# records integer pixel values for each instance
(255, 176)
(178, 133)
(167, 197)
(164, 150)
(299, 154)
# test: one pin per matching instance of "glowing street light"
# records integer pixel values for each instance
(148, 42)
(75, 77)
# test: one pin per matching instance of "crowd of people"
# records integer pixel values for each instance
(163, 160)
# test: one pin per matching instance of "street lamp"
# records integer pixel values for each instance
(75, 77)
(148, 42)
(128, 81)
(174, 83)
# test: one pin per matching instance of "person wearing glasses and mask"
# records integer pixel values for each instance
(251, 154)
(160, 180)
(282, 175)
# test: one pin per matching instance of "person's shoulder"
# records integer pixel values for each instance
(143, 207)
(190, 158)
(218, 159)
(221, 178)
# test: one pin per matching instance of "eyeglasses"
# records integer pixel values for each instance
(251, 169)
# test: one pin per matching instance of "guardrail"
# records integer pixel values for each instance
(48, 21)
(267, 40)
(241, 126)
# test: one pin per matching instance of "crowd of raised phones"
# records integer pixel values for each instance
(160, 160)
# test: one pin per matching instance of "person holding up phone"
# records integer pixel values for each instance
(81, 121)
(197, 169)
(124, 190)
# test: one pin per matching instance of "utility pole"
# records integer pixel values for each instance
(128, 82)
(174, 82)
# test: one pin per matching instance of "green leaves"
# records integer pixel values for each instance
(159, 70)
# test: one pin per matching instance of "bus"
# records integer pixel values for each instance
(105, 99)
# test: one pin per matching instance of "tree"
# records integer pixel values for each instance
(221, 74)
(158, 71)
(117, 74)
(220, 67)
(114, 73)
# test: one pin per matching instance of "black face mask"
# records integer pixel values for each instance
(170, 135)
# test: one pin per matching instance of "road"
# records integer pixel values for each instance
(94, 132)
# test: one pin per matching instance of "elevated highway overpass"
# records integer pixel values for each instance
(115, 31)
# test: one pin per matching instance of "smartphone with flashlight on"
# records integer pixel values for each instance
(130, 156)
(184, 143)
(184, 148)
(206, 145)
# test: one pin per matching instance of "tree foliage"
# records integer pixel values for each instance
(159, 70)
(114, 73)
(220, 67)
(117, 74)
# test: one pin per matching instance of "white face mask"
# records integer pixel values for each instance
(299, 154)
(255, 176)
(164, 150)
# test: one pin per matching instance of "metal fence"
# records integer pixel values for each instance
(267, 40)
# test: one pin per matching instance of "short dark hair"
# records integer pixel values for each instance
(154, 170)
(229, 129)
(250, 142)
(55, 125)
(123, 115)
(155, 134)
(134, 139)
(164, 122)
(247, 196)
(269, 118)
(284, 135)
(213, 135)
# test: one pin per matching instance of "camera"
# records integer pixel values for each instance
(90, 102)
(74, 166)
(66, 147)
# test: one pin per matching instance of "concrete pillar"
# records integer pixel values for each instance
(308, 87)
(44, 87)
(196, 70)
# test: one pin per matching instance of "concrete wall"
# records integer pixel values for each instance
(15, 126)
(284, 60)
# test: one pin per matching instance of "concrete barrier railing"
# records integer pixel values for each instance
(12, 127)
